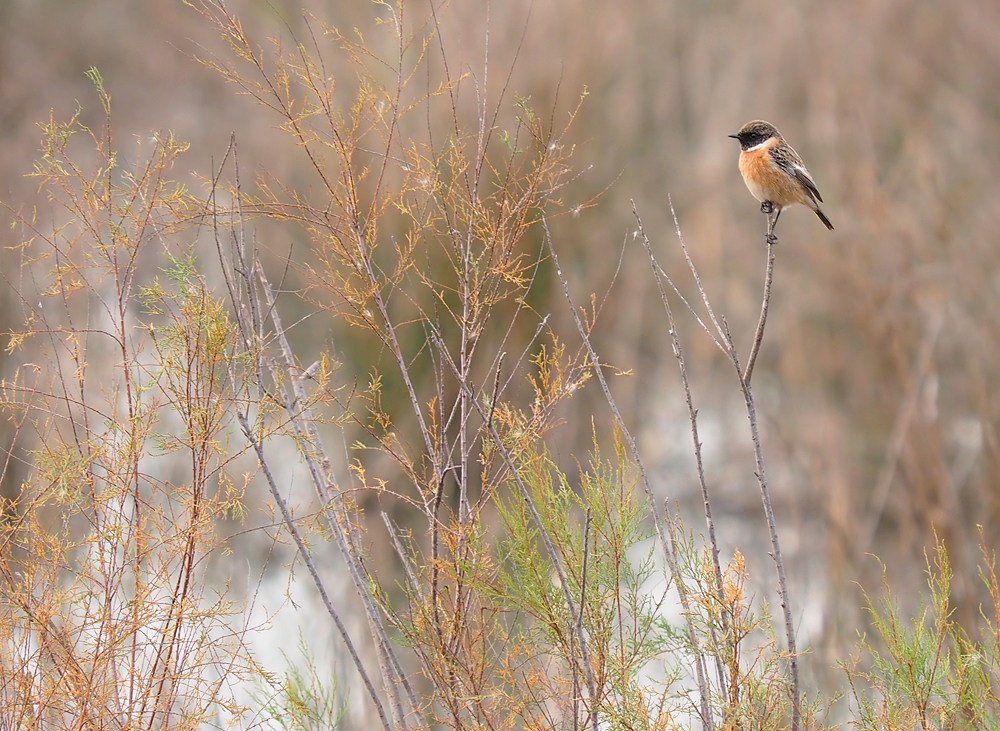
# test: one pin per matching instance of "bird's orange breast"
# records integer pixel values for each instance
(766, 181)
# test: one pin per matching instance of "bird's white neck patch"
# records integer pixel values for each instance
(758, 145)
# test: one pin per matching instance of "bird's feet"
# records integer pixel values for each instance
(767, 207)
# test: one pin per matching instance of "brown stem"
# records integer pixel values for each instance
(765, 303)
(779, 563)
(662, 524)
(693, 416)
(725, 339)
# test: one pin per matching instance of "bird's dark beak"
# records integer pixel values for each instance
(735, 137)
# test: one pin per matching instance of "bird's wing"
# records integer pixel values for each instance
(787, 159)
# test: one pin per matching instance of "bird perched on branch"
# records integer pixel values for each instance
(775, 174)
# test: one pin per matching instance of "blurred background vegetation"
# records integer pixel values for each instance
(877, 383)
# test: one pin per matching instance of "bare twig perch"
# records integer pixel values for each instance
(765, 302)
(724, 336)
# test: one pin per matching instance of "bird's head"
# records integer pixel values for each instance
(755, 133)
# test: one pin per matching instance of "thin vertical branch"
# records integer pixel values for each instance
(693, 417)
(779, 563)
(666, 537)
(764, 305)
(765, 493)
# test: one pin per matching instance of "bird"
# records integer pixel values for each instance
(775, 174)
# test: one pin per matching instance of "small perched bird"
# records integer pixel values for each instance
(774, 172)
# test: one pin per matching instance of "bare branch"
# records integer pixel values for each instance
(660, 522)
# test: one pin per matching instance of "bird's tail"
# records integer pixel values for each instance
(823, 218)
